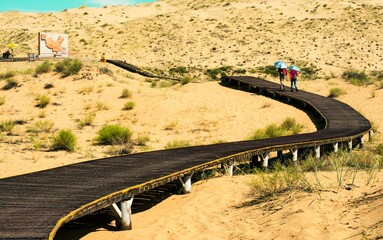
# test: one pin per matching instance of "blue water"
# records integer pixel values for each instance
(59, 5)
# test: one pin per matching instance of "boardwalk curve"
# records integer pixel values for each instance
(36, 205)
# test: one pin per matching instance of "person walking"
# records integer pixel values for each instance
(294, 71)
(282, 73)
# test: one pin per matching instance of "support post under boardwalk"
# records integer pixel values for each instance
(186, 183)
(294, 151)
(317, 151)
(336, 147)
(349, 145)
(361, 142)
(370, 135)
(230, 170)
(265, 158)
(123, 212)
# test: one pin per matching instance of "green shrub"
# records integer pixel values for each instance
(355, 77)
(7, 126)
(185, 80)
(87, 120)
(180, 70)
(267, 186)
(129, 105)
(8, 74)
(142, 140)
(379, 149)
(41, 126)
(288, 127)
(42, 101)
(268, 70)
(177, 144)
(64, 140)
(45, 67)
(336, 92)
(114, 135)
(217, 73)
(11, 83)
(68, 67)
(126, 93)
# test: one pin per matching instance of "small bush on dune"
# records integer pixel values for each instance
(45, 67)
(41, 126)
(288, 127)
(355, 77)
(114, 135)
(129, 105)
(126, 93)
(8, 74)
(68, 67)
(7, 126)
(43, 101)
(177, 144)
(11, 83)
(64, 140)
(336, 92)
(2, 101)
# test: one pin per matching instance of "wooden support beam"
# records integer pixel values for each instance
(186, 183)
(230, 170)
(123, 212)
(254, 161)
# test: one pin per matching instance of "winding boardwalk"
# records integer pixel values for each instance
(34, 206)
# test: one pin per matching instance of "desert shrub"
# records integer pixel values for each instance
(7, 74)
(41, 126)
(105, 70)
(48, 86)
(217, 73)
(87, 120)
(377, 74)
(114, 135)
(358, 78)
(185, 80)
(10, 83)
(267, 70)
(45, 67)
(379, 149)
(7, 126)
(2, 101)
(288, 127)
(126, 93)
(179, 70)
(42, 101)
(68, 67)
(267, 186)
(177, 144)
(129, 105)
(141, 140)
(309, 72)
(64, 140)
(336, 92)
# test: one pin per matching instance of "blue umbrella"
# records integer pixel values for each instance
(295, 68)
(280, 64)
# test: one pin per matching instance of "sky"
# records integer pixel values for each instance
(59, 5)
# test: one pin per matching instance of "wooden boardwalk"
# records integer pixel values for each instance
(34, 206)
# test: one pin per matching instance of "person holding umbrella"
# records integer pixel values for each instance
(281, 71)
(293, 77)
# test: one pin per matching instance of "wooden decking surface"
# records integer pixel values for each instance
(34, 206)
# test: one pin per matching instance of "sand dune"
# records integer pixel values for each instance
(328, 37)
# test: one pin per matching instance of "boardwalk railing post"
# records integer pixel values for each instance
(186, 183)
(336, 147)
(317, 151)
(123, 212)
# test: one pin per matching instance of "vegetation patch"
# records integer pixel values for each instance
(336, 92)
(177, 144)
(68, 67)
(45, 67)
(289, 127)
(64, 140)
(355, 77)
(114, 135)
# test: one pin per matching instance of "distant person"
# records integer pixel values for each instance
(282, 73)
(293, 79)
